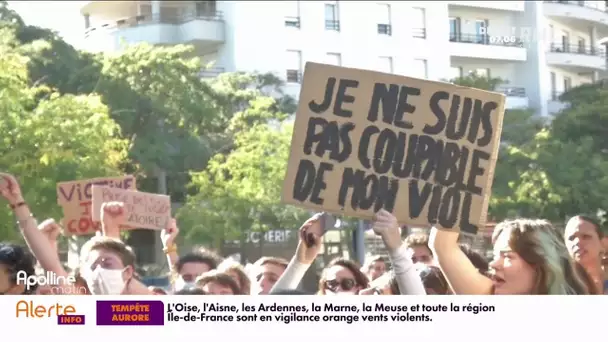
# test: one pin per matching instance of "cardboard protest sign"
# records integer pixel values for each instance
(144, 210)
(365, 141)
(75, 198)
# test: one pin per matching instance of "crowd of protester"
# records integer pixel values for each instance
(530, 257)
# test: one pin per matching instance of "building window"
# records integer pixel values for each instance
(419, 68)
(293, 15)
(565, 42)
(455, 72)
(294, 66)
(384, 19)
(481, 31)
(332, 23)
(567, 84)
(581, 45)
(205, 8)
(454, 29)
(145, 10)
(334, 59)
(385, 64)
(419, 23)
(171, 14)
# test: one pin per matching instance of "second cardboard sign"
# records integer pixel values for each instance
(143, 210)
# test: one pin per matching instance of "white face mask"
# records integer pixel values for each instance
(181, 284)
(102, 281)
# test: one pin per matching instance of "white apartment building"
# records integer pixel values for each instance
(542, 48)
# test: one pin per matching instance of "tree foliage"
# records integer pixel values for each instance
(562, 170)
(241, 191)
(164, 109)
(53, 139)
(73, 115)
(475, 80)
(51, 61)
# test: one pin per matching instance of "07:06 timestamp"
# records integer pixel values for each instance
(503, 40)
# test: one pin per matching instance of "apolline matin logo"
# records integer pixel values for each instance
(59, 285)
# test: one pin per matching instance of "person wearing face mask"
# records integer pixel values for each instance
(108, 267)
(14, 259)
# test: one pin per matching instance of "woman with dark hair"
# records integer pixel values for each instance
(342, 276)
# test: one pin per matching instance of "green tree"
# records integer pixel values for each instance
(8, 17)
(586, 116)
(556, 179)
(562, 171)
(164, 109)
(241, 191)
(474, 80)
(58, 138)
(51, 61)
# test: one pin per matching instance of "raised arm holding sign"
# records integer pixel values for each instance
(365, 141)
(75, 198)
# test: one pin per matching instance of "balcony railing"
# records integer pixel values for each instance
(293, 76)
(512, 91)
(292, 22)
(332, 25)
(419, 33)
(385, 29)
(161, 18)
(577, 49)
(580, 4)
(484, 39)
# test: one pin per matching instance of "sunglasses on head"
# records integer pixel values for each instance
(344, 284)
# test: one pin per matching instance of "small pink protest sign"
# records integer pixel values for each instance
(143, 210)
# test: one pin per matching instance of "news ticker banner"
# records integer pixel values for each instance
(244, 317)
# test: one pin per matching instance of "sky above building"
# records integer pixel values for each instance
(61, 16)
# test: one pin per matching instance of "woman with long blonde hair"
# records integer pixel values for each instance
(530, 257)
